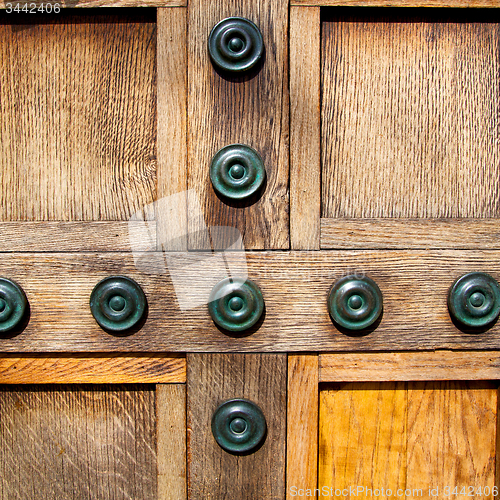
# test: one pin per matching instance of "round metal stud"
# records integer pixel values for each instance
(236, 305)
(355, 303)
(238, 426)
(237, 171)
(235, 45)
(474, 300)
(13, 305)
(117, 303)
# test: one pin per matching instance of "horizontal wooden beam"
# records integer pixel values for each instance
(295, 287)
(93, 369)
(455, 234)
(68, 4)
(399, 3)
(409, 366)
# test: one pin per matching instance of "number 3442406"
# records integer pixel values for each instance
(33, 8)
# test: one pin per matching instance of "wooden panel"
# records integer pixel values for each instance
(295, 286)
(171, 441)
(77, 122)
(410, 233)
(399, 3)
(69, 236)
(302, 424)
(172, 123)
(212, 472)
(305, 134)
(81, 442)
(251, 110)
(409, 114)
(401, 366)
(78, 369)
(362, 438)
(106, 3)
(451, 436)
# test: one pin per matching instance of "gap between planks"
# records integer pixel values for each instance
(92, 369)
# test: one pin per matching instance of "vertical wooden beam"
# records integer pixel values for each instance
(305, 130)
(251, 109)
(302, 424)
(171, 441)
(213, 379)
(172, 123)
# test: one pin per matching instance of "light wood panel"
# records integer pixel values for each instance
(410, 233)
(172, 129)
(302, 423)
(78, 442)
(250, 109)
(104, 3)
(171, 441)
(77, 115)
(295, 287)
(213, 379)
(305, 134)
(95, 369)
(400, 3)
(362, 438)
(452, 436)
(403, 366)
(410, 126)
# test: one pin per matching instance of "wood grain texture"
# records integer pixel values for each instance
(305, 132)
(95, 369)
(451, 435)
(410, 123)
(399, 3)
(172, 128)
(69, 236)
(171, 441)
(252, 110)
(406, 366)
(212, 472)
(362, 437)
(108, 3)
(302, 423)
(78, 443)
(77, 115)
(469, 234)
(295, 287)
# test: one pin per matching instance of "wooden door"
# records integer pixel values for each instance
(377, 124)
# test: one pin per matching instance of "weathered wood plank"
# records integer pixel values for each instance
(406, 366)
(78, 442)
(469, 234)
(452, 436)
(363, 437)
(305, 131)
(302, 423)
(171, 441)
(399, 3)
(295, 286)
(69, 236)
(252, 110)
(93, 369)
(77, 115)
(172, 129)
(410, 126)
(212, 472)
(105, 3)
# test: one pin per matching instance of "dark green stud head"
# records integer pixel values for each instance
(237, 172)
(13, 305)
(236, 305)
(474, 300)
(235, 45)
(117, 303)
(238, 426)
(355, 303)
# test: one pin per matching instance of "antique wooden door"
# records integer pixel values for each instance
(254, 200)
